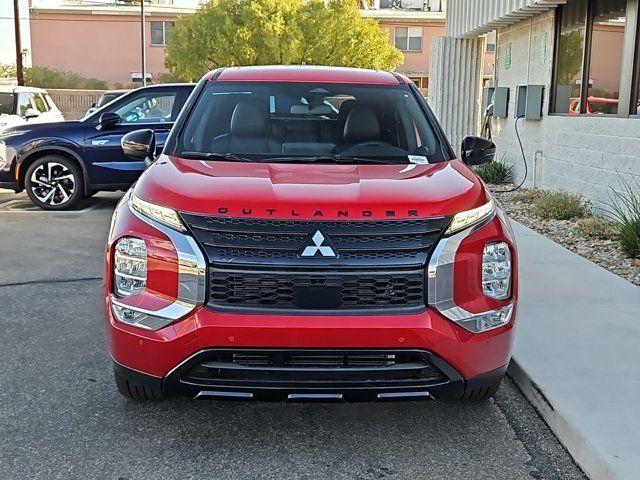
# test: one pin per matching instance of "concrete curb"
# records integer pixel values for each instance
(587, 457)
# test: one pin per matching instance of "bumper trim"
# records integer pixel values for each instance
(460, 389)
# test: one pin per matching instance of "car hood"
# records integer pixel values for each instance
(43, 129)
(318, 191)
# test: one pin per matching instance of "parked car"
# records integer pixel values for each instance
(26, 105)
(280, 250)
(106, 97)
(59, 163)
(595, 106)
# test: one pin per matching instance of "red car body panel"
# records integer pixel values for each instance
(311, 191)
(308, 74)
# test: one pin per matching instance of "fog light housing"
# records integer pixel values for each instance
(496, 271)
(130, 266)
(484, 322)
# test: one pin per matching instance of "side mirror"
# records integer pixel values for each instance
(31, 113)
(140, 144)
(477, 150)
(109, 120)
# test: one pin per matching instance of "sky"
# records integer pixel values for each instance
(7, 38)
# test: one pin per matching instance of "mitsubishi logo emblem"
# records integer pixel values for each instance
(318, 246)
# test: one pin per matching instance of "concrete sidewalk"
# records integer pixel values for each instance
(577, 355)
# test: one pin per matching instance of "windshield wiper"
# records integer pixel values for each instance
(339, 159)
(229, 157)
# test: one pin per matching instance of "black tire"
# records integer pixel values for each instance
(132, 389)
(54, 182)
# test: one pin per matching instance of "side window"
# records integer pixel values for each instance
(39, 103)
(24, 103)
(148, 108)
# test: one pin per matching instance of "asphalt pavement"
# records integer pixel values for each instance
(61, 417)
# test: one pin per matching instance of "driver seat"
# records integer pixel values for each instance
(361, 125)
(248, 131)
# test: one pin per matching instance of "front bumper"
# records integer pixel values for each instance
(167, 357)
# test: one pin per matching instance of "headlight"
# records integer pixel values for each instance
(130, 266)
(463, 220)
(164, 215)
(496, 271)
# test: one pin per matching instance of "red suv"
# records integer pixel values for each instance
(308, 235)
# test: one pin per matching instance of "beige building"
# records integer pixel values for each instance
(567, 72)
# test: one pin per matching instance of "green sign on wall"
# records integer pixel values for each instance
(507, 56)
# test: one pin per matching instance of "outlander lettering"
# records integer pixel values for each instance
(287, 246)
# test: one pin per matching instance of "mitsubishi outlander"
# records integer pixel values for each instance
(308, 234)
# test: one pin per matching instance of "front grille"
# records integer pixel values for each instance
(313, 369)
(243, 241)
(257, 263)
(316, 290)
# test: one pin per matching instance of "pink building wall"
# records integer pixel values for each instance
(106, 48)
(416, 62)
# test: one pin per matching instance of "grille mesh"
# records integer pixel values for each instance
(317, 290)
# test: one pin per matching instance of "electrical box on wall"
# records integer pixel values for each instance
(487, 98)
(501, 102)
(529, 100)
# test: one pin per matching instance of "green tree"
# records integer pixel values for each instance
(277, 32)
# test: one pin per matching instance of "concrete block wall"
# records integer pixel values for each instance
(74, 103)
(583, 154)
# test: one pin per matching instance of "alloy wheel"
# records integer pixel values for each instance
(53, 183)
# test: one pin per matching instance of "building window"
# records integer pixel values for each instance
(589, 55)
(408, 39)
(160, 32)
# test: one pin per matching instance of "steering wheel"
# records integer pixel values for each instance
(372, 143)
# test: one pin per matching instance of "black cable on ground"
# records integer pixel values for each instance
(524, 160)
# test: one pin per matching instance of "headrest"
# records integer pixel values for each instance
(248, 120)
(362, 125)
(345, 109)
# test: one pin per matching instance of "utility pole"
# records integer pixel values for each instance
(16, 20)
(143, 44)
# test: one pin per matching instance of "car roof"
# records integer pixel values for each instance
(19, 89)
(117, 91)
(305, 73)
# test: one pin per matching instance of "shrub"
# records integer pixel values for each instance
(49, 78)
(598, 227)
(526, 195)
(560, 205)
(495, 172)
(624, 209)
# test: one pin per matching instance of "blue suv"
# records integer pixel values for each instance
(59, 163)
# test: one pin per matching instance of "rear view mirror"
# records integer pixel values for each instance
(477, 150)
(109, 120)
(31, 113)
(140, 144)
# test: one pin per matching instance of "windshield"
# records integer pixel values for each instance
(6, 103)
(276, 122)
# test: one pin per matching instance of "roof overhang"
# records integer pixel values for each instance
(473, 18)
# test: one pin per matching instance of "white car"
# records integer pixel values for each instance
(21, 105)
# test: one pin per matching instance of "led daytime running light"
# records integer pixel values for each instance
(164, 215)
(465, 219)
